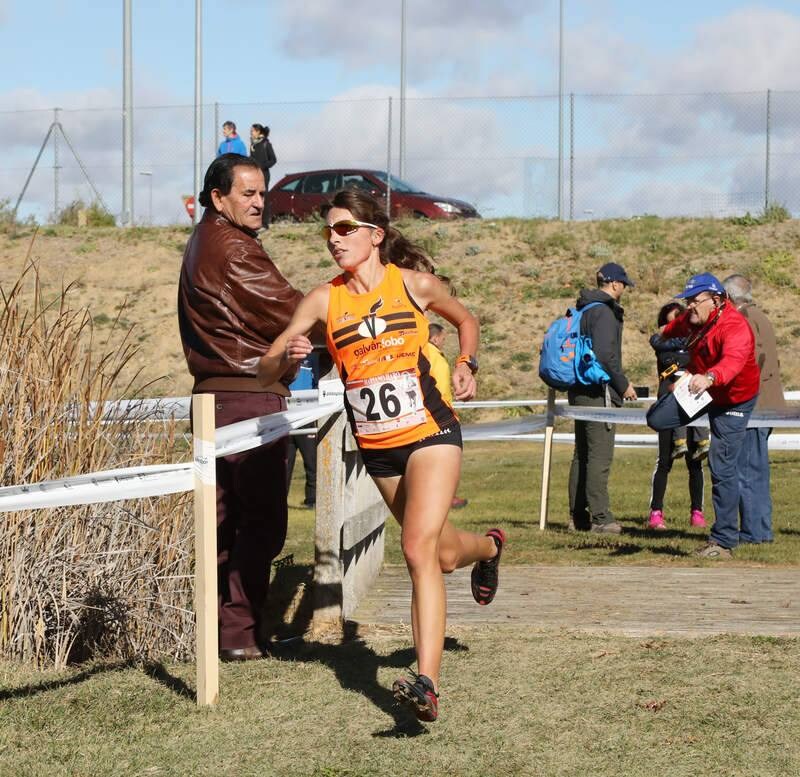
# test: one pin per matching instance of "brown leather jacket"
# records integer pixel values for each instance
(232, 303)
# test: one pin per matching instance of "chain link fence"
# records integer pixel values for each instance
(623, 155)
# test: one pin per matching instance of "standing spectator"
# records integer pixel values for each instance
(594, 441)
(722, 362)
(261, 150)
(232, 144)
(671, 357)
(440, 372)
(307, 378)
(755, 501)
(232, 303)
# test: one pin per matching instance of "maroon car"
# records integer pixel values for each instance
(300, 195)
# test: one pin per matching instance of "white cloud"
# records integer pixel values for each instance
(443, 37)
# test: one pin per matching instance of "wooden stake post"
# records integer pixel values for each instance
(205, 548)
(548, 451)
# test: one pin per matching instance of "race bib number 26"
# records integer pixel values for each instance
(386, 403)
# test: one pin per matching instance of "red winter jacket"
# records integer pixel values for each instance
(726, 348)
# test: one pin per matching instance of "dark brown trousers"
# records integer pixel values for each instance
(251, 519)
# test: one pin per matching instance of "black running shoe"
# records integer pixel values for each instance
(484, 573)
(419, 695)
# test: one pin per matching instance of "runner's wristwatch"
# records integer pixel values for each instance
(470, 361)
(711, 377)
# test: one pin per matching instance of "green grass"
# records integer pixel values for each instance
(502, 481)
(514, 702)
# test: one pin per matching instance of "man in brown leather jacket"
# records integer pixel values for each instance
(232, 303)
(755, 504)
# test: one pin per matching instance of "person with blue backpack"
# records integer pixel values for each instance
(601, 319)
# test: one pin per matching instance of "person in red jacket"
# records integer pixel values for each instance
(722, 362)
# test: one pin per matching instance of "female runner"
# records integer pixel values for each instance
(409, 438)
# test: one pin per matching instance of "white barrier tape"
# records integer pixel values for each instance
(508, 429)
(177, 408)
(637, 416)
(158, 479)
(254, 432)
(107, 486)
(777, 442)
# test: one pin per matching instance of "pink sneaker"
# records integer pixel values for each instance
(656, 520)
(697, 519)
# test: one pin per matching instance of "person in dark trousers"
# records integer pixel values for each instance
(232, 143)
(723, 363)
(261, 150)
(672, 357)
(594, 441)
(232, 303)
(755, 500)
(307, 378)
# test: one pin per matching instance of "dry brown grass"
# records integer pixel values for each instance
(110, 579)
(516, 274)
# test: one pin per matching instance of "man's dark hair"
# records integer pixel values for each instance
(435, 329)
(229, 124)
(220, 175)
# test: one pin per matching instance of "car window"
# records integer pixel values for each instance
(291, 186)
(356, 181)
(319, 183)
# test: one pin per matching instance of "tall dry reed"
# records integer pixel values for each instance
(110, 579)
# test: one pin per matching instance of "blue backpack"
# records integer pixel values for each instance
(567, 358)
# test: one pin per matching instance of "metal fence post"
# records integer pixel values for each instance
(216, 130)
(769, 132)
(389, 162)
(571, 155)
(56, 165)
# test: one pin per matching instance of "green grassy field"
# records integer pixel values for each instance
(516, 702)
(502, 481)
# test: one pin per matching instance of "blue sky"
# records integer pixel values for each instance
(281, 51)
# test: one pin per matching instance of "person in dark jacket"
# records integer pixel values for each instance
(594, 441)
(755, 501)
(261, 150)
(722, 350)
(232, 303)
(672, 357)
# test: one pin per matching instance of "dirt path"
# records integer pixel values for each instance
(633, 601)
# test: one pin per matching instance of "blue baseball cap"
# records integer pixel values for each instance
(611, 271)
(697, 284)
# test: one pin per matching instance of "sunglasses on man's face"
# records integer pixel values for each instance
(345, 227)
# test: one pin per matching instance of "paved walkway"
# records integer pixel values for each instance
(634, 601)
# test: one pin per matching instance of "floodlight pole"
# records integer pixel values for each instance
(127, 119)
(149, 174)
(560, 108)
(198, 106)
(402, 152)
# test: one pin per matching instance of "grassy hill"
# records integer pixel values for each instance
(517, 275)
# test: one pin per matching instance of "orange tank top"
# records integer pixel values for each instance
(379, 343)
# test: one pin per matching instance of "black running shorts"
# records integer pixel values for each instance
(392, 462)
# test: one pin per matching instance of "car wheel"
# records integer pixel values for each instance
(418, 214)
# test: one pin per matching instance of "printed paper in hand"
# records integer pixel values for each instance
(691, 403)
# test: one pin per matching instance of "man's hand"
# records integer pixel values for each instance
(699, 383)
(464, 385)
(630, 393)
